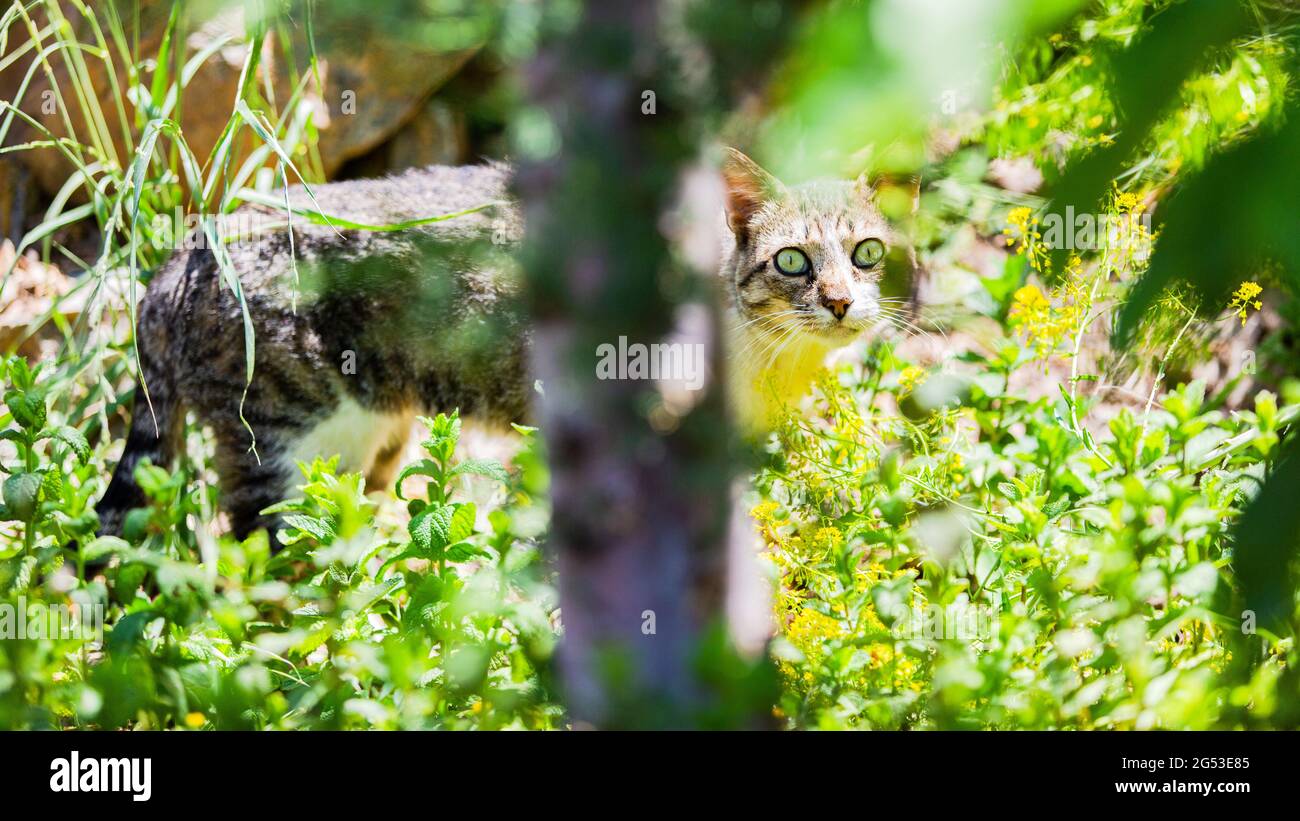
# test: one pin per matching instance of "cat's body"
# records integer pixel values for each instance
(370, 328)
(367, 330)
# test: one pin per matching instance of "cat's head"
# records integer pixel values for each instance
(810, 258)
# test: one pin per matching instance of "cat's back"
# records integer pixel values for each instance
(373, 256)
(342, 224)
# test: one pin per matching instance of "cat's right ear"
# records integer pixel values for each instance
(748, 187)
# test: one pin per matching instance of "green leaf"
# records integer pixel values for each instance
(410, 553)
(431, 528)
(129, 631)
(104, 546)
(464, 551)
(71, 437)
(21, 492)
(319, 529)
(424, 467)
(1056, 508)
(51, 484)
(462, 522)
(490, 468)
(27, 407)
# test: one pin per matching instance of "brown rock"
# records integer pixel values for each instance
(372, 85)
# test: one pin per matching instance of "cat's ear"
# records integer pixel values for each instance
(898, 195)
(748, 187)
(865, 185)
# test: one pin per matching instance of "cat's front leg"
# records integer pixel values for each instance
(250, 482)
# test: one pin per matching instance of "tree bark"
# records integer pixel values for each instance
(639, 509)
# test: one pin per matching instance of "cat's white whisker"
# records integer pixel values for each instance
(916, 330)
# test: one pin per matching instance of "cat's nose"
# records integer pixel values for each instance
(839, 307)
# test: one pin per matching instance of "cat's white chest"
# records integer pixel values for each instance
(356, 434)
(761, 388)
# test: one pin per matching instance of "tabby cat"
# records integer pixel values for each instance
(357, 331)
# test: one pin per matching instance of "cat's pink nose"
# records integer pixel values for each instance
(839, 307)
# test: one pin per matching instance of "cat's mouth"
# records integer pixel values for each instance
(806, 324)
(840, 331)
(833, 329)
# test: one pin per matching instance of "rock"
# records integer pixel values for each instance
(376, 74)
(436, 135)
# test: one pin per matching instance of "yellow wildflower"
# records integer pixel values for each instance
(910, 379)
(903, 673)
(1127, 202)
(811, 629)
(880, 655)
(827, 539)
(1043, 324)
(1029, 304)
(764, 511)
(1244, 298)
(1022, 231)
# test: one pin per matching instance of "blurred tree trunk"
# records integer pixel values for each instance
(640, 516)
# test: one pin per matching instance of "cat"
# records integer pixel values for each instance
(355, 333)
(803, 276)
(358, 331)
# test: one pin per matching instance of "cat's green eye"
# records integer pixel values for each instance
(792, 262)
(868, 253)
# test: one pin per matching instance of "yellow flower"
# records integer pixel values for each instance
(1043, 324)
(811, 629)
(910, 379)
(903, 673)
(1029, 302)
(1095, 121)
(880, 655)
(827, 539)
(764, 511)
(1244, 298)
(1022, 228)
(1127, 201)
(194, 720)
